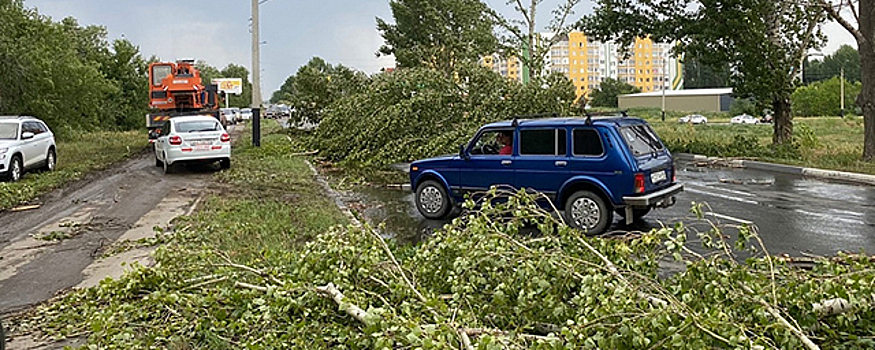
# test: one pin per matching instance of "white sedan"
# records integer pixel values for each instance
(694, 119)
(743, 119)
(188, 139)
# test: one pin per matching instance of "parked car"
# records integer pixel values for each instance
(590, 168)
(766, 119)
(229, 116)
(26, 143)
(743, 119)
(694, 119)
(246, 113)
(188, 139)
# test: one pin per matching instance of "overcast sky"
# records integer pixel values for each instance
(217, 31)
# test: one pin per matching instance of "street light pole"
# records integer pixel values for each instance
(664, 74)
(842, 112)
(256, 78)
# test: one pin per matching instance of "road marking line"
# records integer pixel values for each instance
(732, 198)
(727, 217)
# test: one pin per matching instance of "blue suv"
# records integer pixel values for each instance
(589, 167)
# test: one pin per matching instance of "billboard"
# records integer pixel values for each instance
(229, 85)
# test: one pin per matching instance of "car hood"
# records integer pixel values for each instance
(7, 143)
(438, 159)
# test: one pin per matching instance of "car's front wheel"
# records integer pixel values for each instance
(587, 211)
(432, 200)
(15, 169)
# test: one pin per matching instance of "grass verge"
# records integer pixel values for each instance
(76, 158)
(268, 207)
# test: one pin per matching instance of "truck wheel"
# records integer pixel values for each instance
(587, 211)
(432, 200)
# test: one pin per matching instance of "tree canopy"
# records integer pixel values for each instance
(608, 92)
(846, 59)
(762, 41)
(437, 34)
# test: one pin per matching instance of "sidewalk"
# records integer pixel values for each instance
(863, 179)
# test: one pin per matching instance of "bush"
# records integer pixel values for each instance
(823, 98)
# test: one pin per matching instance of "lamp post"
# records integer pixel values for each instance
(664, 74)
(256, 78)
(842, 89)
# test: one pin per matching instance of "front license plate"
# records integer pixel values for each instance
(657, 176)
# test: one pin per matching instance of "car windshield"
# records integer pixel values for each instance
(8, 131)
(198, 126)
(641, 139)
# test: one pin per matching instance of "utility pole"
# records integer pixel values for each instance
(256, 78)
(842, 112)
(664, 75)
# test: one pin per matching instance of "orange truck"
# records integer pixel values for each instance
(175, 89)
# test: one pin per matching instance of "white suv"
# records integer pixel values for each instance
(25, 143)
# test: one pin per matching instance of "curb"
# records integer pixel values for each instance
(862, 179)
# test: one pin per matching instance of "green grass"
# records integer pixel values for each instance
(76, 158)
(821, 142)
(267, 207)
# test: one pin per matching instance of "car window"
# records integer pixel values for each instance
(8, 131)
(42, 127)
(542, 142)
(197, 126)
(488, 142)
(31, 127)
(586, 142)
(641, 139)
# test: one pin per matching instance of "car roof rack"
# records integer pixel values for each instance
(516, 122)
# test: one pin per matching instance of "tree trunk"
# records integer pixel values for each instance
(866, 98)
(783, 120)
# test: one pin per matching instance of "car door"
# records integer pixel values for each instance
(30, 147)
(483, 166)
(542, 163)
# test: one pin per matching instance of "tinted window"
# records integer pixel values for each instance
(587, 143)
(489, 142)
(542, 142)
(42, 127)
(31, 127)
(8, 131)
(641, 139)
(198, 126)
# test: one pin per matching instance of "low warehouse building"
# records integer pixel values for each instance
(695, 100)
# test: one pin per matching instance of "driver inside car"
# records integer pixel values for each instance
(505, 138)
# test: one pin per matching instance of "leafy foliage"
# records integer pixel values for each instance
(316, 86)
(845, 58)
(68, 75)
(437, 34)
(414, 113)
(608, 91)
(824, 98)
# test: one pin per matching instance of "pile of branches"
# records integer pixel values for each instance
(505, 274)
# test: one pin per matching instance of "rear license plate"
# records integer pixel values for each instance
(202, 147)
(658, 176)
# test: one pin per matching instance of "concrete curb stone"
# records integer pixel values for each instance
(863, 179)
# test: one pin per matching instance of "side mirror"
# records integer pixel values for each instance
(27, 135)
(462, 154)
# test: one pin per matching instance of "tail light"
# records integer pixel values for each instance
(639, 183)
(175, 140)
(674, 175)
(225, 138)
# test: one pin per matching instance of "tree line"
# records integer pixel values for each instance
(74, 77)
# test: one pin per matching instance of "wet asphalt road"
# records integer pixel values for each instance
(794, 215)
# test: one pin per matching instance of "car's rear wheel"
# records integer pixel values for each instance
(432, 200)
(51, 160)
(166, 165)
(15, 169)
(225, 164)
(587, 211)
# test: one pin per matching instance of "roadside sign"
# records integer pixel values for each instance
(230, 85)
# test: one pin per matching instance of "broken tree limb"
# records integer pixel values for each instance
(351, 309)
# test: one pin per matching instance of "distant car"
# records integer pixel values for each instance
(766, 119)
(229, 116)
(25, 143)
(694, 119)
(246, 113)
(186, 139)
(743, 119)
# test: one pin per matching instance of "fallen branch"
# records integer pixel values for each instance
(351, 309)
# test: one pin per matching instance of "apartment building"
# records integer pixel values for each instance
(646, 65)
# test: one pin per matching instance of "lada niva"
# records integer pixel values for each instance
(589, 167)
